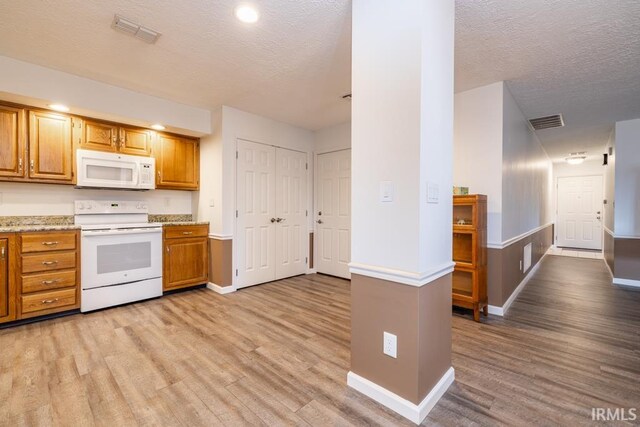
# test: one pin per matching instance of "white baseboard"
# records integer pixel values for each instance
(311, 271)
(221, 289)
(606, 264)
(501, 311)
(409, 410)
(626, 282)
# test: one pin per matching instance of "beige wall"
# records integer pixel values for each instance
(627, 259)
(220, 262)
(421, 319)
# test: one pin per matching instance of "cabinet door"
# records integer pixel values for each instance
(50, 147)
(12, 142)
(177, 162)
(135, 141)
(99, 136)
(6, 297)
(186, 263)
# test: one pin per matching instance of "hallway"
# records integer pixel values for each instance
(570, 342)
(279, 353)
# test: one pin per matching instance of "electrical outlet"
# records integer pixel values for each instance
(390, 345)
(167, 201)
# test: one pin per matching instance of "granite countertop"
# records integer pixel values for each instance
(171, 223)
(17, 224)
(169, 220)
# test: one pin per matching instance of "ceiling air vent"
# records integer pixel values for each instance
(129, 27)
(548, 122)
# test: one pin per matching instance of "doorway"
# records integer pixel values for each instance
(579, 214)
(271, 215)
(333, 213)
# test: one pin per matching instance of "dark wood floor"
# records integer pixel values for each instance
(279, 354)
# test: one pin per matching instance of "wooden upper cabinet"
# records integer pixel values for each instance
(104, 136)
(177, 162)
(50, 147)
(12, 142)
(98, 136)
(135, 141)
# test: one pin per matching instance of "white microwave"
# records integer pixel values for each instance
(98, 169)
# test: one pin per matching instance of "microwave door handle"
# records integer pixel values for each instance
(136, 174)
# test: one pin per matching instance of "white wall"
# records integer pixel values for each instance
(526, 174)
(25, 199)
(208, 201)
(24, 82)
(401, 132)
(332, 138)
(609, 184)
(627, 178)
(477, 149)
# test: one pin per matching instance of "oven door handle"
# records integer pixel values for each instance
(124, 232)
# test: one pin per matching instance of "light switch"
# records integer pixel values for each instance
(433, 192)
(211, 203)
(386, 191)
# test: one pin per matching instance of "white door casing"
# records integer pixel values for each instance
(291, 213)
(579, 215)
(333, 213)
(255, 204)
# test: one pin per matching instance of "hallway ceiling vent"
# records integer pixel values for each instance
(127, 26)
(547, 122)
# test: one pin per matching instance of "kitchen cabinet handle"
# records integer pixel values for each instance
(186, 233)
(49, 301)
(49, 262)
(49, 243)
(31, 165)
(2, 252)
(50, 282)
(167, 248)
(20, 165)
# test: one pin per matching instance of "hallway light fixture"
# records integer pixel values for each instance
(247, 14)
(575, 160)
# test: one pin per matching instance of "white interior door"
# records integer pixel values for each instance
(333, 213)
(255, 201)
(291, 213)
(579, 216)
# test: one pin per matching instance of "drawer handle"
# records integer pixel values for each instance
(186, 233)
(49, 301)
(49, 243)
(49, 262)
(50, 282)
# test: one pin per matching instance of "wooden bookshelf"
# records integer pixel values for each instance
(469, 281)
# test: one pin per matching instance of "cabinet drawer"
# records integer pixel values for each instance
(182, 231)
(48, 262)
(48, 281)
(46, 301)
(42, 242)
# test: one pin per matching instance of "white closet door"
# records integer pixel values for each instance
(256, 199)
(333, 213)
(291, 221)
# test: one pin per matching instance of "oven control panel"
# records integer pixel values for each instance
(84, 207)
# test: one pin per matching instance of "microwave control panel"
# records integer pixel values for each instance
(146, 176)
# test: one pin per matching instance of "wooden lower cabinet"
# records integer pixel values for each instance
(48, 273)
(185, 257)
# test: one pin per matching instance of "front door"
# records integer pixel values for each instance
(580, 212)
(333, 213)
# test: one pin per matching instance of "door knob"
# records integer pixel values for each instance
(319, 221)
(279, 219)
(597, 217)
(272, 220)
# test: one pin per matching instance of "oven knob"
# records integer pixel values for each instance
(80, 206)
(89, 206)
(144, 206)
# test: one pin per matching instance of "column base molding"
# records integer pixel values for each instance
(221, 289)
(411, 411)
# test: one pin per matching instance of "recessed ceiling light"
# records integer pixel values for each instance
(576, 160)
(157, 126)
(247, 14)
(59, 107)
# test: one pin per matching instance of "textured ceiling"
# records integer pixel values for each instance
(576, 57)
(579, 57)
(293, 65)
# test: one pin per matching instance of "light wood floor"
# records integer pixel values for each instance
(279, 353)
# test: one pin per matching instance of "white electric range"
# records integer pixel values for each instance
(121, 253)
